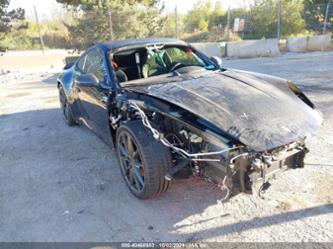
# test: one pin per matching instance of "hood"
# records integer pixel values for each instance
(260, 115)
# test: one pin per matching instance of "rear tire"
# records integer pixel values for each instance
(142, 159)
(65, 108)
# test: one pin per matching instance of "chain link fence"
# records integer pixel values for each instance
(78, 30)
(273, 20)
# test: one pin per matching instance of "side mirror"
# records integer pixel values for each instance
(217, 61)
(87, 80)
(68, 65)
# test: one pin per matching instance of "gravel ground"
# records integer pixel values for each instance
(59, 183)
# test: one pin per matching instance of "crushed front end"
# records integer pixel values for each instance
(198, 150)
(249, 171)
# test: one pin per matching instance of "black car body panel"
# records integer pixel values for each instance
(253, 111)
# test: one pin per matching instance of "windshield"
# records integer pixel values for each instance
(173, 56)
(152, 61)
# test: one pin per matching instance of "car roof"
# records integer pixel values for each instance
(114, 45)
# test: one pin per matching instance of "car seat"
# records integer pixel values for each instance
(154, 65)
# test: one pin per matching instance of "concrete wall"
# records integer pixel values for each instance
(309, 43)
(210, 48)
(253, 48)
(297, 44)
(319, 42)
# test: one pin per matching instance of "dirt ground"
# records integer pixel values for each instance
(59, 183)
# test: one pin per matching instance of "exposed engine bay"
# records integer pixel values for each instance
(234, 167)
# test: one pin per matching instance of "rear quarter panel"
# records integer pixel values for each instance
(66, 79)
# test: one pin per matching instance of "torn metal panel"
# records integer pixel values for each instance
(255, 112)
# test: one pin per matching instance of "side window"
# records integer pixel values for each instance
(94, 64)
(81, 62)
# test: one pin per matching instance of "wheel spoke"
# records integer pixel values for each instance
(125, 165)
(123, 151)
(131, 177)
(135, 155)
(138, 177)
(130, 146)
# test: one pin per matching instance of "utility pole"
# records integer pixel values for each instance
(39, 31)
(326, 16)
(278, 32)
(176, 22)
(228, 23)
(110, 19)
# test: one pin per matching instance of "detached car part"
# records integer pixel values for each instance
(170, 111)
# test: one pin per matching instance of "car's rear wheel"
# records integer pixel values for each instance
(143, 160)
(65, 108)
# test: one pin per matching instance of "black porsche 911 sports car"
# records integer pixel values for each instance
(170, 111)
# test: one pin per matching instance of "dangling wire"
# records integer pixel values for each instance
(224, 186)
(164, 141)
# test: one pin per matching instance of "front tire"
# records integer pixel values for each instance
(143, 160)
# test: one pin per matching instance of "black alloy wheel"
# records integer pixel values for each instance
(131, 162)
(143, 160)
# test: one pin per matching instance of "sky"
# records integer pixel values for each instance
(45, 8)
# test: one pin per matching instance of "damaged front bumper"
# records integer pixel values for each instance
(246, 171)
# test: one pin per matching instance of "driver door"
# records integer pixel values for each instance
(94, 98)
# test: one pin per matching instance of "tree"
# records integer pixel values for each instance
(130, 19)
(292, 21)
(3, 19)
(8, 17)
(314, 15)
(197, 19)
(218, 16)
(262, 18)
(102, 4)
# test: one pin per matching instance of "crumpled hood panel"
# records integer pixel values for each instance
(257, 113)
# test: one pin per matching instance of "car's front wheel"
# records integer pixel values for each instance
(65, 108)
(143, 160)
